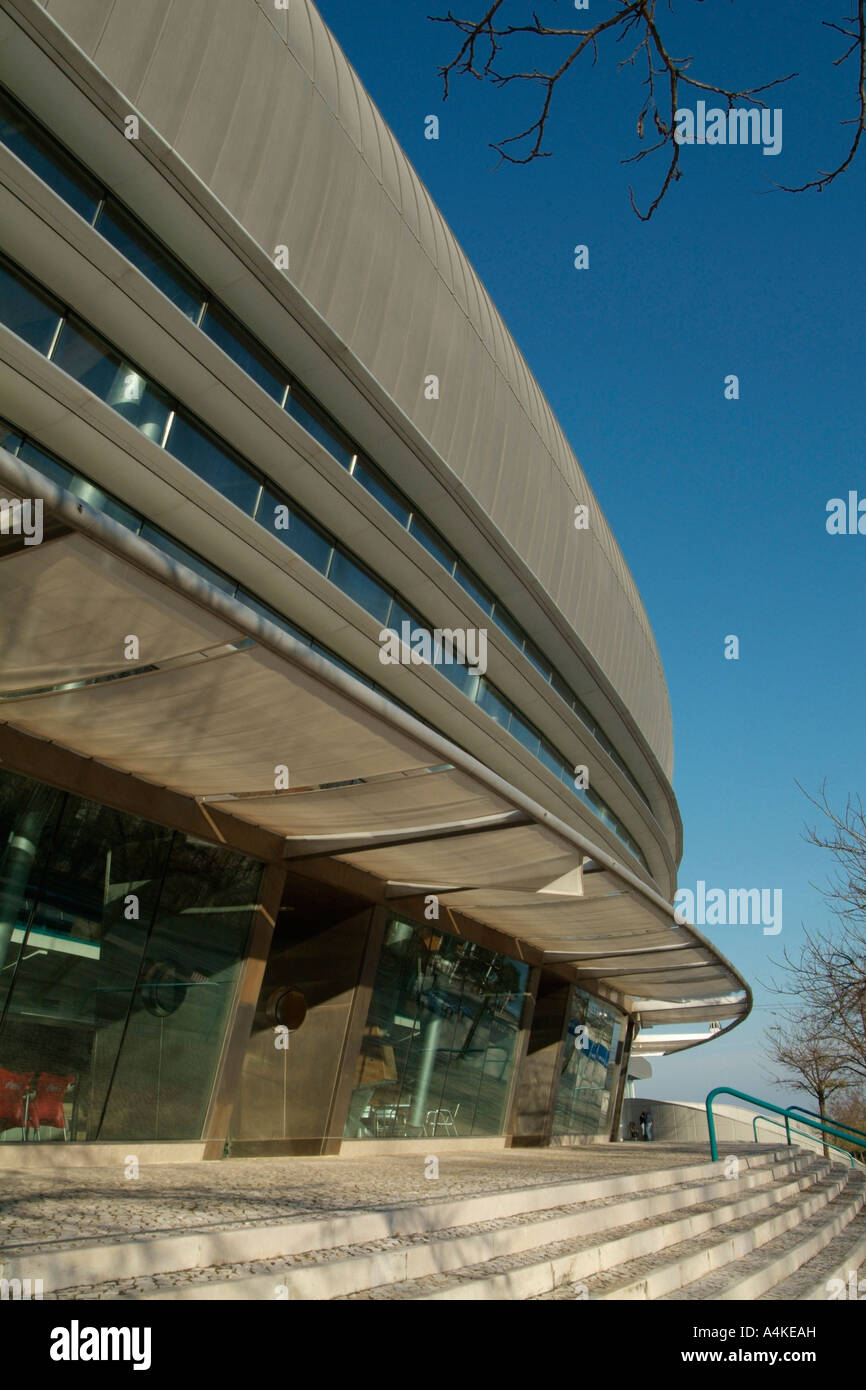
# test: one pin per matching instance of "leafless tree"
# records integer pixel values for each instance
(803, 1050)
(486, 40)
(827, 975)
(850, 1109)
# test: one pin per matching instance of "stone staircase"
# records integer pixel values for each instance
(781, 1226)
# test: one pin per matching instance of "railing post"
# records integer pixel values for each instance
(819, 1124)
(711, 1126)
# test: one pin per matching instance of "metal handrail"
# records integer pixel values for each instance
(840, 1123)
(768, 1120)
(767, 1105)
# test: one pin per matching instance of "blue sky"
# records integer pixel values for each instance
(719, 505)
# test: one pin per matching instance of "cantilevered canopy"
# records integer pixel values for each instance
(214, 703)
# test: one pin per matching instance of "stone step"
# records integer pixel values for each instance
(756, 1274)
(396, 1262)
(542, 1268)
(843, 1257)
(94, 1264)
(693, 1262)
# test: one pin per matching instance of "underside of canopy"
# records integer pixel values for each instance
(219, 705)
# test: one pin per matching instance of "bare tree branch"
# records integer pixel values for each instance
(827, 978)
(858, 46)
(485, 39)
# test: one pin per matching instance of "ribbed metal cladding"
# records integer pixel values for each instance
(266, 111)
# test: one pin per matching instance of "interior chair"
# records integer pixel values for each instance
(444, 1117)
(14, 1100)
(46, 1107)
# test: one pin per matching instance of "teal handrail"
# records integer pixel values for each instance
(768, 1120)
(767, 1105)
(840, 1123)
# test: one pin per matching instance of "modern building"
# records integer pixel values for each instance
(274, 881)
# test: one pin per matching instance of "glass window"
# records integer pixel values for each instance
(213, 462)
(466, 579)
(180, 1008)
(360, 585)
(460, 676)
(400, 614)
(245, 597)
(128, 236)
(176, 551)
(583, 715)
(91, 362)
(113, 1023)
(440, 1041)
(46, 463)
(525, 734)
(228, 334)
(25, 310)
(510, 628)
(10, 440)
(432, 543)
(562, 690)
(278, 516)
(373, 482)
(590, 1067)
(343, 666)
(88, 359)
(492, 704)
(549, 756)
(103, 502)
(41, 153)
(534, 655)
(314, 420)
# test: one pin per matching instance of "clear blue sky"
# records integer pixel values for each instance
(719, 506)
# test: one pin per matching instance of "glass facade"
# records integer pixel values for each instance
(120, 945)
(44, 154)
(590, 1068)
(440, 1040)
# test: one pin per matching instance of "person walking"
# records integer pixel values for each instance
(643, 1124)
(649, 1126)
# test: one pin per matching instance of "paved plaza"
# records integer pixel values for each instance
(42, 1211)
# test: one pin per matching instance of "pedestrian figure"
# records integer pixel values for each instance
(649, 1126)
(632, 1131)
(643, 1124)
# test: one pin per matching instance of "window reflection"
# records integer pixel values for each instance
(120, 942)
(26, 310)
(128, 236)
(88, 360)
(590, 1067)
(42, 153)
(439, 1044)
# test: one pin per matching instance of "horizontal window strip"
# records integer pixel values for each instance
(352, 579)
(37, 147)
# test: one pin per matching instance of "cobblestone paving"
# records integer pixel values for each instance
(74, 1208)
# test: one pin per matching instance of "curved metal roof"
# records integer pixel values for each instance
(265, 110)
